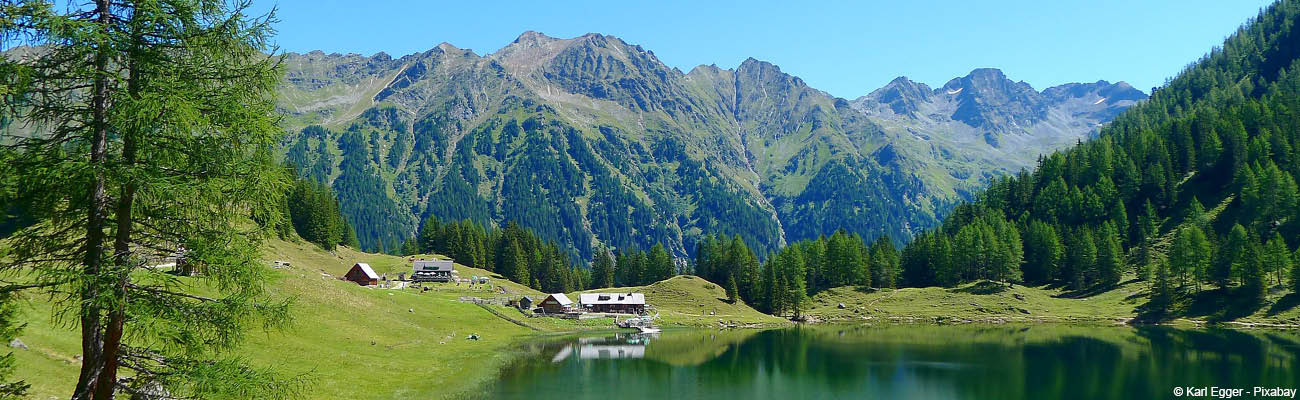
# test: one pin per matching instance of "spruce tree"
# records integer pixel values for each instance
(1295, 272)
(1110, 255)
(1162, 293)
(731, 289)
(1043, 253)
(1190, 255)
(1082, 256)
(602, 270)
(1228, 264)
(1276, 258)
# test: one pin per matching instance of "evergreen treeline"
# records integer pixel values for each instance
(783, 283)
(1226, 131)
(516, 253)
(313, 212)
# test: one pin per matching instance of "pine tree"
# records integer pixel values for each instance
(1082, 255)
(1110, 255)
(884, 262)
(516, 263)
(1190, 255)
(1162, 293)
(1295, 272)
(660, 264)
(1228, 263)
(1276, 258)
(731, 289)
(1043, 253)
(791, 272)
(158, 123)
(1196, 214)
(602, 270)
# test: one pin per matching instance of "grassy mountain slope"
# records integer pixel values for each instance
(989, 302)
(362, 342)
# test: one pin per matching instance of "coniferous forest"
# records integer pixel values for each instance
(1193, 192)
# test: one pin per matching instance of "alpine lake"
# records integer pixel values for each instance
(906, 362)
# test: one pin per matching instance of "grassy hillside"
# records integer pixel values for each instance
(351, 341)
(364, 342)
(994, 302)
(690, 301)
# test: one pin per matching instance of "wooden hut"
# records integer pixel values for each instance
(556, 303)
(362, 274)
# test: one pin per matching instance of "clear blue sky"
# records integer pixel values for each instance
(844, 48)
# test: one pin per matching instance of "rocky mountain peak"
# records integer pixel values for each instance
(901, 95)
(986, 99)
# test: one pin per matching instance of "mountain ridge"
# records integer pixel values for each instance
(635, 152)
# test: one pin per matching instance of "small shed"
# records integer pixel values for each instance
(525, 303)
(362, 274)
(556, 303)
(626, 303)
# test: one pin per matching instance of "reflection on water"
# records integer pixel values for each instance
(596, 348)
(833, 362)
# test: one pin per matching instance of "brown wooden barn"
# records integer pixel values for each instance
(362, 275)
(556, 304)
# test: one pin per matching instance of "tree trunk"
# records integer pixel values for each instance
(91, 320)
(122, 241)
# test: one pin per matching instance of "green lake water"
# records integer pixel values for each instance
(910, 362)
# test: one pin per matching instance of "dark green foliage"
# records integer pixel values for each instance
(1276, 260)
(1250, 267)
(1224, 131)
(1080, 257)
(884, 263)
(1228, 264)
(155, 125)
(1190, 256)
(1295, 272)
(1162, 292)
(1044, 253)
(314, 212)
(516, 253)
(732, 291)
(602, 270)
(1110, 256)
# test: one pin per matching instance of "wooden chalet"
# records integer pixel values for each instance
(362, 274)
(556, 303)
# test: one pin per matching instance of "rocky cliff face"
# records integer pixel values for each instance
(595, 143)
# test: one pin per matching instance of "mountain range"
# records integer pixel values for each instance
(595, 143)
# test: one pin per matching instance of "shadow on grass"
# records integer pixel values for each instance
(1220, 305)
(1086, 292)
(867, 290)
(982, 287)
(1285, 303)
